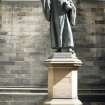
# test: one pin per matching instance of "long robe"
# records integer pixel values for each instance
(60, 22)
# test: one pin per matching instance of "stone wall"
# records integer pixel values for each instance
(25, 44)
(90, 44)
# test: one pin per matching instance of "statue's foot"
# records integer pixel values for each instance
(59, 50)
(72, 52)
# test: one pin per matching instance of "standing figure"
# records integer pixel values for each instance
(61, 14)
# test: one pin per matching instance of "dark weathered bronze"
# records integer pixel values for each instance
(61, 14)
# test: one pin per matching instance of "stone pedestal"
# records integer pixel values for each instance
(62, 79)
(63, 102)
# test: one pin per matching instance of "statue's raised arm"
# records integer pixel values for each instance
(69, 7)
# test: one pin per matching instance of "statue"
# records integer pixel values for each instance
(61, 14)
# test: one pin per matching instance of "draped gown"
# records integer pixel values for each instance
(61, 18)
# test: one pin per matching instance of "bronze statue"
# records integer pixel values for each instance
(61, 14)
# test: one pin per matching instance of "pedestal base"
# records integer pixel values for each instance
(62, 76)
(62, 79)
(63, 102)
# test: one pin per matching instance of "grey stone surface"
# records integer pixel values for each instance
(90, 44)
(94, 103)
(24, 45)
(21, 100)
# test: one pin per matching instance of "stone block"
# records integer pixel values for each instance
(62, 76)
(63, 102)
